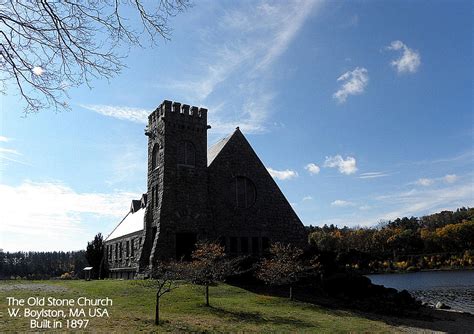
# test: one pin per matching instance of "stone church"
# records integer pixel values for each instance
(222, 194)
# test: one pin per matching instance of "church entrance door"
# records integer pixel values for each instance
(185, 243)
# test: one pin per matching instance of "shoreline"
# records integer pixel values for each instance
(417, 271)
(434, 297)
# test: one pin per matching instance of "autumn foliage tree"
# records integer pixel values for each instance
(443, 239)
(210, 265)
(283, 267)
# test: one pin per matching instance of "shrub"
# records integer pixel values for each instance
(66, 276)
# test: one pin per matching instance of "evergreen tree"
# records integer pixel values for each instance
(94, 255)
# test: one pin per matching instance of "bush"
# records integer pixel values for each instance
(66, 276)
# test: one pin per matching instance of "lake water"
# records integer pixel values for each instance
(454, 288)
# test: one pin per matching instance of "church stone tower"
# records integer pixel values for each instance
(222, 194)
(176, 212)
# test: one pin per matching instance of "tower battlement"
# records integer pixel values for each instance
(176, 111)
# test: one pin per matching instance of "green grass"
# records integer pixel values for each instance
(183, 310)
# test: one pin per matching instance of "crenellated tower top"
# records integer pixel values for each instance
(178, 112)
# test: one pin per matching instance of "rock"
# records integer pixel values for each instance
(442, 306)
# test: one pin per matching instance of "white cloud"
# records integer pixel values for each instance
(53, 215)
(342, 203)
(286, 174)
(372, 175)
(354, 83)
(235, 61)
(4, 139)
(413, 202)
(409, 61)
(312, 168)
(352, 21)
(238, 45)
(428, 200)
(125, 113)
(402, 194)
(38, 70)
(10, 158)
(450, 178)
(226, 127)
(425, 182)
(132, 160)
(9, 154)
(466, 156)
(347, 166)
(307, 198)
(9, 151)
(291, 21)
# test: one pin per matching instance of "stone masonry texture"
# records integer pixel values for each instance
(232, 199)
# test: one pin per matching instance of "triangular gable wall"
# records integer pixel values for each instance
(270, 216)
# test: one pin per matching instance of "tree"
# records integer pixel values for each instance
(210, 265)
(284, 267)
(95, 254)
(325, 239)
(41, 265)
(48, 46)
(164, 278)
(456, 237)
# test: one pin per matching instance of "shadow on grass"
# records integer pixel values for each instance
(423, 318)
(258, 319)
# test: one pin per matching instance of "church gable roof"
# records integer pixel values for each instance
(132, 222)
(237, 144)
(214, 150)
(136, 205)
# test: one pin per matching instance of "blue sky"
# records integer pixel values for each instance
(362, 111)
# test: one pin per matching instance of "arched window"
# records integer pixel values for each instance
(245, 193)
(154, 157)
(186, 154)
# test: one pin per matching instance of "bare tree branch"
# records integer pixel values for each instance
(48, 46)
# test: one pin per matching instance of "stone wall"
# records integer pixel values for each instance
(270, 218)
(122, 254)
(179, 187)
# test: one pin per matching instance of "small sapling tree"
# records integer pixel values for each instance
(283, 267)
(210, 265)
(163, 278)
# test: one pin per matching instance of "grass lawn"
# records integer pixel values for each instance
(232, 309)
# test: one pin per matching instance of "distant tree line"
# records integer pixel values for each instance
(440, 240)
(42, 265)
(444, 239)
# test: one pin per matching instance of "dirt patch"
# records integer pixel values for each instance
(36, 287)
(431, 321)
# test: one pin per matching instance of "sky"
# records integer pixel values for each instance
(362, 111)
